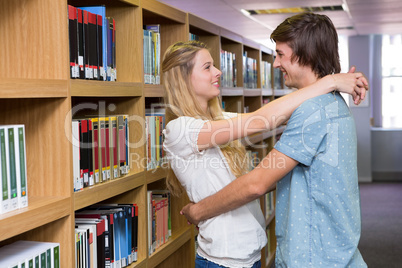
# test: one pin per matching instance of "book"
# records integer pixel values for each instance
(5, 193)
(107, 149)
(25, 253)
(102, 148)
(85, 33)
(121, 128)
(12, 169)
(95, 150)
(100, 11)
(89, 145)
(115, 172)
(21, 164)
(80, 37)
(154, 31)
(101, 225)
(84, 151)
(73, 41)
(93, 43)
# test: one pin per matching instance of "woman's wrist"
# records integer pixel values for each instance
(331, 83)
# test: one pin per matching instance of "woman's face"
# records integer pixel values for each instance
(205, 77)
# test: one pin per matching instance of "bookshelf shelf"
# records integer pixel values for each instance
(155, 175)
(232, 91)
(177, 240)
(267, 92)
(160, 12)
(33, 88)
(248, 92)
(103, 191)
(87, 88)
(41, 211)
(283, 92)
(153, 91)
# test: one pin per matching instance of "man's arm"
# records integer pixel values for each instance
(242, 190)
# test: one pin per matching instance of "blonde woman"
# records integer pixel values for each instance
(205, 155)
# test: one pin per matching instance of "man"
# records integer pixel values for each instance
(317, 201)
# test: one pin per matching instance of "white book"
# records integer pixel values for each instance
(44, 254)
(21, 165)
(84, 246)
(78, 182)
(5, 193)
(93, 241)
(11, 169)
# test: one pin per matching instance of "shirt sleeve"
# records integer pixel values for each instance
(305, 134)
(181, 136)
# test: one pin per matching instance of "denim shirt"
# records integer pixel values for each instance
(318, 219)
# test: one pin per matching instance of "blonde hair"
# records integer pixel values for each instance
(181, 100)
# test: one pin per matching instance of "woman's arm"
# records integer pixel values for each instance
(275, 113)
(242, 190)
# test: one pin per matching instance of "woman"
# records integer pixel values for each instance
(204, 153)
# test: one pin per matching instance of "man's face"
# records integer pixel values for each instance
(296, 76)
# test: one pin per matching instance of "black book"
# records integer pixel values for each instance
(93, 59)
(85, 34)
(99, 47)
(84, 165)
(72, 30)
(81, 44)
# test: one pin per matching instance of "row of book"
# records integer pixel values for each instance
(249, 72)
(13, 168)
(159, 219)
(193, 37)
(266, 81)
(155, 124)
(92, 40)
(106, 235)
(228, 69)
(152, 54)
(24, 253)
(100, 149)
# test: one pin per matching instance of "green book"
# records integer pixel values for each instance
(12, 169)
(5, 200)
(21, 166)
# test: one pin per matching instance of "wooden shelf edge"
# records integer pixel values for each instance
(267, 92)
(155, 175)
(33, 88)
(88, 88)
(103, 191)
(203, 24)
(232, 91)
(176, 241)
(252, 92)
(139, 264)
(165, 10)
(271, 259)
(283, 92)
(154, 91)
(40, 211)
(270, 219)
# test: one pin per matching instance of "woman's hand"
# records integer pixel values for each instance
(352, 83)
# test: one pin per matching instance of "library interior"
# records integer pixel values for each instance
(83, 167)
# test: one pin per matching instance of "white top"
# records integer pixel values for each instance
(235, 238)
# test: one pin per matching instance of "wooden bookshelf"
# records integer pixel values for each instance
(36, 90)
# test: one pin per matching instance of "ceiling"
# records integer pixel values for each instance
(359, 17)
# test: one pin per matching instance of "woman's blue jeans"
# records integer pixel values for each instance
(201, 262)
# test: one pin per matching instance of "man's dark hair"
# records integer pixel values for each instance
(314, 41)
